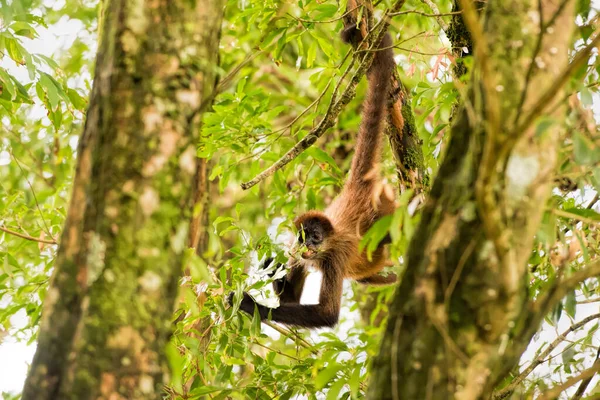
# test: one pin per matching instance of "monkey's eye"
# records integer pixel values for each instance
(318, 237)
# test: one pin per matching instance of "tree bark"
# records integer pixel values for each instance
(465, 285)
(106, 317)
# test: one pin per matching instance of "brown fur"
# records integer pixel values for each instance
(362, 201)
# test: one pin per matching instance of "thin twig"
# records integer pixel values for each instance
(437, 14)
(593, 202)
(275, 350)
(311, 21)
(33, 193)
(311, 105)
(566, 214)
(585, 383)
(289, 334)
(589, 301)
(559, 289)
(557, 390)
(505, 392)
(27, 237)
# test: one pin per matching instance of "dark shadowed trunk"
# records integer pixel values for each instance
(106, 317)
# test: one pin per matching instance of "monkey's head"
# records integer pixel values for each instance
(314, 232)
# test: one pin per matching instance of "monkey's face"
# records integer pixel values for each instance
(312, 238)
(313, 234)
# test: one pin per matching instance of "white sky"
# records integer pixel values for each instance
(15, 356)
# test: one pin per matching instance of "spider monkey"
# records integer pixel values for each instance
(332, 237)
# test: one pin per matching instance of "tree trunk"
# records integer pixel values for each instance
(106, 316)
(465, 285)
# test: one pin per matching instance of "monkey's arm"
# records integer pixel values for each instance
(324, 314)
(379, 279)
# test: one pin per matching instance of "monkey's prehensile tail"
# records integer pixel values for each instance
(368, 142)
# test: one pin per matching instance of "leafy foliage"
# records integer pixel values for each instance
(280, 62)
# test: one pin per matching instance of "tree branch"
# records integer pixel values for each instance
(506, 391)
(536, 51)
(561, 287)
(544, 100)
(27, 237)
(437, 14)
(585, 383)
(557, 390)
(334, 108)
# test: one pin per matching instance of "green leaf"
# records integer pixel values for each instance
(571, 304)
(320, 155)
(56, 116)
(203, 391)
(312, 54)
(326, 11)
(7, 84)
(13, 49)
(586, 96)
(22, 28)
(240, 87)
(583, 7)
(596, 178)
(50, 90)
(557, 313)
(221, 219)
(78, 102)
(255, 327)
(326, 375)
(216, 171)
(375, 234)
(334, 390)
(543, 125)
(31, 69)
(585, 151)
(354, 381)
(50, 62)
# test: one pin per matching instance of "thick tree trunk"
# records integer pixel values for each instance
(106, 317)
(465, 286)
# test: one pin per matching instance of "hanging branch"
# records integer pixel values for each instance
(335, 107)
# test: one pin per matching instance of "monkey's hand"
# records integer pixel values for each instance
(247, 305)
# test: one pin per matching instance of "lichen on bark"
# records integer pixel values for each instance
(104, 332)
(464, 291)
